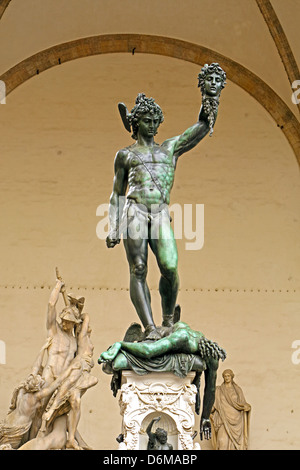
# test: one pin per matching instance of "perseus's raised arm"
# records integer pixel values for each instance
(211, 82)
(191, 137)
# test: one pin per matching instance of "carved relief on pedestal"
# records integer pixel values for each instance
(143, 398)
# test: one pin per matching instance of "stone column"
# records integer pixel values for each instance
(163, 394)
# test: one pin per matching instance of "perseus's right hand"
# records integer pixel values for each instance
(112, 240)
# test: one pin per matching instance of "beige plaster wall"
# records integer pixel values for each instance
(60, 133)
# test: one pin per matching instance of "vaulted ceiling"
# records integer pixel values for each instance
(255, 41)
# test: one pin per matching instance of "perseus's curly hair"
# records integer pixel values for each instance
(208, 348)
(208, 70)
(142, 106)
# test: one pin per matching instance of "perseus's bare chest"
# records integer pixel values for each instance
(149, 156)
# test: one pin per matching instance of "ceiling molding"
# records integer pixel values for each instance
(159, 45)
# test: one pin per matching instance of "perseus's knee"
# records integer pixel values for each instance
(139, 270)
(170, 271)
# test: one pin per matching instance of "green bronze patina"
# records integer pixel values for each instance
(180, 350)
(144, 176)
(144, 172)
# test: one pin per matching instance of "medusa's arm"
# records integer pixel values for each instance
(208, 398)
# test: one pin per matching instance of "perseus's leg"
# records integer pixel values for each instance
(164, 247)
(137, 253)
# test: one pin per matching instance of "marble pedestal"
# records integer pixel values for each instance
(145, 397)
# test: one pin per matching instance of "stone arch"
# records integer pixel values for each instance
(4, 4)
(280, 40)
(160, 45)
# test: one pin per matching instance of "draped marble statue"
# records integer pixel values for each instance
(230, 416)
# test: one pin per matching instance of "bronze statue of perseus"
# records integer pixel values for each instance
(144, 176)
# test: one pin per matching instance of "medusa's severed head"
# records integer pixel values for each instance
(211, 79)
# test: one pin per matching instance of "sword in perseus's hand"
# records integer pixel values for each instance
(63, 289)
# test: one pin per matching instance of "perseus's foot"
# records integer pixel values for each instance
(168, 321)
(151, 333)
(110, 354)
